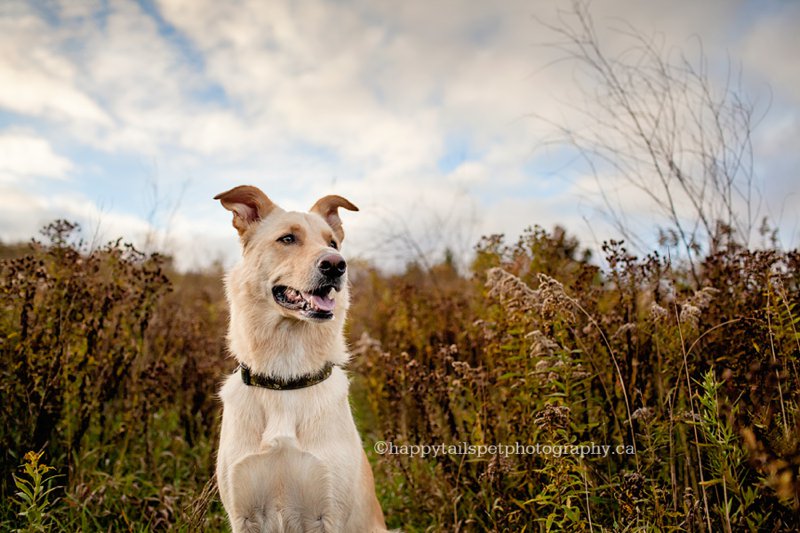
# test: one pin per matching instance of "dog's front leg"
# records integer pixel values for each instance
(282, 489)
(256, 483)
(256, 494)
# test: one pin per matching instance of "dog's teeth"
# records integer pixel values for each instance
(292, 295)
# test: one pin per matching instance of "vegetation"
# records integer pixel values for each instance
(111, 360)
(108, 376)
(539, 346)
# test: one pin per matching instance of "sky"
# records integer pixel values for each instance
(434, 117)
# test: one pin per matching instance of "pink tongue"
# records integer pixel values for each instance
(323, 303)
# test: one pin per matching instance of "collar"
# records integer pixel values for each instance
(301, 382)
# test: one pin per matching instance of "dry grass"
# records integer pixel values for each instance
(540, 346)
(110, 361)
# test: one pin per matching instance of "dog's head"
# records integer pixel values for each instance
(291, 260)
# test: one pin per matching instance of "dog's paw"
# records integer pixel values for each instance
(279, 443)
(263, 520)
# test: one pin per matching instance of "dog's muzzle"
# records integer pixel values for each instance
(316, 304)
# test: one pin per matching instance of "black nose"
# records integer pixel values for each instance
(332, 266)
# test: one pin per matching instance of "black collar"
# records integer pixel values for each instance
(267, 382)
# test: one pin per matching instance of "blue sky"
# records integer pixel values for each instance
(130, 116)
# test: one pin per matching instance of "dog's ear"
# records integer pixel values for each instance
(249, 205)
(328, 208)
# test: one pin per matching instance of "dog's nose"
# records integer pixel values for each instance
(332, 266)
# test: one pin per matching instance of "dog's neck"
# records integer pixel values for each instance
(285, 347)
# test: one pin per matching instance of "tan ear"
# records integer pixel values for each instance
(249, 205)
(328, 208)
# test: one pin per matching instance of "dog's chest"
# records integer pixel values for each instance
(314, 416)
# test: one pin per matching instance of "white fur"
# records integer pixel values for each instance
(289, 460)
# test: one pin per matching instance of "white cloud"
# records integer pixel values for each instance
(36, 81)
(27, 155)
(470, 172)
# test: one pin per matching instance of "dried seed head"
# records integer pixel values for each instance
(657, 312)
(645, 413)
(541, 345)
(511, 290)
(623, 329)
(690, 315)
(552, 417)
(554, 301)
(703, 297)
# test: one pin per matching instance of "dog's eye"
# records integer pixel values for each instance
(334, 245)
(289, 238)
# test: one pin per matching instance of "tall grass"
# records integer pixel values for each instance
(111, 361)
(110, 368)
(539, 345)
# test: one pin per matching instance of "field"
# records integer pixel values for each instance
(111, 360)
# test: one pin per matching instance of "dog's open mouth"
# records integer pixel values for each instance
(317, 304)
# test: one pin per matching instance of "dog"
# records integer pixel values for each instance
(290, 457)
